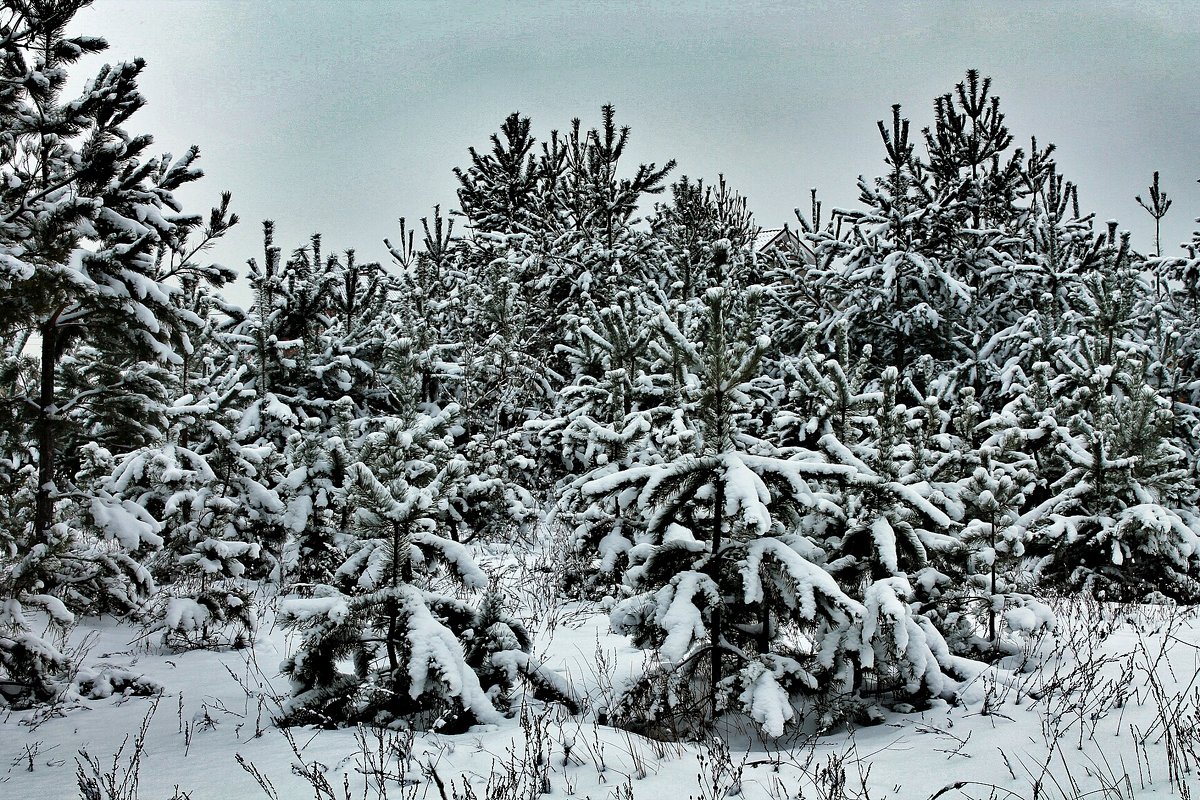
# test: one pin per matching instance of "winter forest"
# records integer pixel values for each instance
(596, 488)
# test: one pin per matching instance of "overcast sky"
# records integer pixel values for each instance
(340, 117)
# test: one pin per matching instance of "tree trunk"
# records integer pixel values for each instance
(184, 435)
(898, 332)
(393, 610)
(721, 443)
(718, 620)
(764, 634)
(44, 507)
(992, 589)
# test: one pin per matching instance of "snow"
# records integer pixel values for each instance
(769, 703)
(127, 522)
(611, 548)
(299, 509)
(518, 663)
(52, 605)
(305, 608)
(185, 614)
(1021, 619)
(217, 706)
(746, 496)
(676, 612)
(807, 579)
(456, 554)
(885, 544)
(437, 655)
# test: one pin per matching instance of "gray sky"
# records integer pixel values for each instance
(340, 117)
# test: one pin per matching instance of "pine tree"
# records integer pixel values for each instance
(1157, 208)
(425, 352)
(725, 569)
(498, 192)
(418, 653)
(689, 226)
(1177, 316)
(893, 525)
(83, 215)
(900, 296)
(953, 248)
(986, 594)
(600, 424)
(319, 461)
(1121, 519)
(201, 562)
(551, 233)
(718, 522)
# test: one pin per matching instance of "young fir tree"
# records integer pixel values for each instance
(197, 482)
(607, 353)
(552, 231)
(953, 249)
(203, 603)
(418, 653)
(881, 537)
(1121, 519)
(689, 225)
(356, 328)
(893, 544)
(601, 425)
(1175, 363)
(424, 353)
(726, 578)
(987, 595)
(598, 250)
(508, 374)
(898, 505)
(888, 279)
(1111, 504)
(281, 372)
(319, 460)
(721, 539)
(982, 190)
(1157, 207)
(426, 363)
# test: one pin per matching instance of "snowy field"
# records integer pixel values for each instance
(1107, 706)
(593, 487)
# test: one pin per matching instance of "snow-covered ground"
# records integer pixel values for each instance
(1106, 707)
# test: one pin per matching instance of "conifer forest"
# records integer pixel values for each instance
(600, 486)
